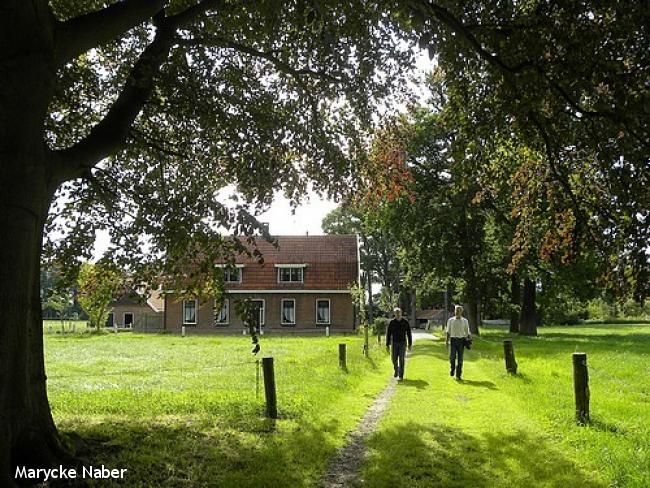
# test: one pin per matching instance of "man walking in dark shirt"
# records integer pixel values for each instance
(397, 334)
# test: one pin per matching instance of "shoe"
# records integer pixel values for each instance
(458, 378)
(400, 379)
(395, 374)
(451, 373)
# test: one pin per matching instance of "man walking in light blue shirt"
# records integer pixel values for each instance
(457, 332)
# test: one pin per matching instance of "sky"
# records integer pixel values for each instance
(306, 219)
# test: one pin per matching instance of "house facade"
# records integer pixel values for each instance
(302, 286)
(138, 312)
(429, 317)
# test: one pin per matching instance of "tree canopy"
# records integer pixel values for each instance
(570, 80)
(136, 116)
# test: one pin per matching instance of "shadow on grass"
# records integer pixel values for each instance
(482, 384)
(419, 384)
(372, 362)
(601, 426)
(440, 351)
(521, 377)
(417, 455)
(189, 455)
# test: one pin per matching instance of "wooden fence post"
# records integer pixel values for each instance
(581, 387)
(269, 388)
(366, 344)
(342, 358)
(509, 354)
(257, 378)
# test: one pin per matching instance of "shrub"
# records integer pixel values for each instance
(564, 310)
(599, 309)
(632, 308)
(379, 325)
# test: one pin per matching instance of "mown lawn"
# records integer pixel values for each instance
(494, 429)
(184, 412)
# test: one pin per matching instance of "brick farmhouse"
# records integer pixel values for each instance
(302, 286)
(138, 311)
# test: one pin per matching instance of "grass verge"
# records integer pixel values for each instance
(495, 429)
(184, 411)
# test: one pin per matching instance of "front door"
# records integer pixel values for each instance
(128, 320)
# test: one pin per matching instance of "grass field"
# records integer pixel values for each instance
(183, 411)
(494, 429)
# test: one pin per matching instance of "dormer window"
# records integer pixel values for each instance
(291, 273)
(232, 274)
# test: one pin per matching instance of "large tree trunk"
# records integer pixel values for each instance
(472, 314)
(29, 436)
(528, 322)
(371, 305)
(368, 282)
(413, 306)
(471, 295)
(27, 432)
(515, 300)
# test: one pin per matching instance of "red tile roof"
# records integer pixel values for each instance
(331, 263)
(305, 250)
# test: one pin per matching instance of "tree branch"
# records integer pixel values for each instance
(280, 65)
(80, 34)
(157, 144)
(509, 71)
(109, 135)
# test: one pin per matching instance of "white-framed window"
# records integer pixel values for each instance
(290, 275)
(128, 320)
(288, 311)
(222, 313)
(232, 275)
(259, 305)
(323, 314)
(189, 312)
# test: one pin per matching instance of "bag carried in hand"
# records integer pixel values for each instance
(468, 342)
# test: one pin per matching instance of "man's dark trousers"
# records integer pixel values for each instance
(399, 356)
(456, 351)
